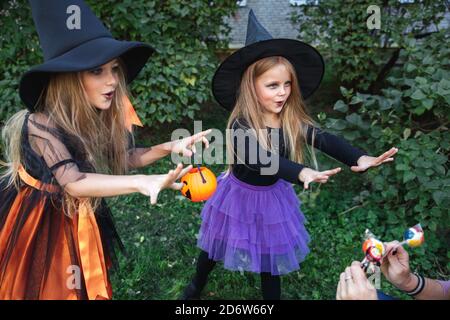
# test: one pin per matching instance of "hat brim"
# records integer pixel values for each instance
(86, 56)
(307, 61)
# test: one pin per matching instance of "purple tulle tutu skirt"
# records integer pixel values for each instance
(254, 228)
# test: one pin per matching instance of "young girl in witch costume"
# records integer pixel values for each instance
(253, 221)
(72, 147)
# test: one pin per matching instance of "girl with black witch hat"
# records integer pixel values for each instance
(253, 221)
(72, 147)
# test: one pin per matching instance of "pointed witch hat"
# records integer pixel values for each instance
(307, 61)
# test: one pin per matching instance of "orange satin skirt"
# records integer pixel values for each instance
(70, 263)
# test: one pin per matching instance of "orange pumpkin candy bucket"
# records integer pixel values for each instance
(198, 184)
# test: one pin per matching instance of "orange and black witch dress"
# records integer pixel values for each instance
(44, 253)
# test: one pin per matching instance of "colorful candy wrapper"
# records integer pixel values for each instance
(413, 237)
(374, 251)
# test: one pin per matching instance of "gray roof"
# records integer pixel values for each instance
(275, 16)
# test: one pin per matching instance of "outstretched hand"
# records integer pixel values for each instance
(151, 185)
(186, 146)
(308, 175)
(366, 162)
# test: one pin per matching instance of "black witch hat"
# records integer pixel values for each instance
(307, 61)
(72, 39)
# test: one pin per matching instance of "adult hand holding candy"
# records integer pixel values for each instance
(375, 250)
(395, 267)
(354, 285)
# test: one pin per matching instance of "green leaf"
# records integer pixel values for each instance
(354, 119)
(430, 70)
(412, 194)
(428, 103)
(321, 116)
(356, 100)
(406, 133)
(410, 67)
(421, 80)
(384, 104)
(443, 87)
(337, 124)
(418, 95)
(402, 167)
(440, 169)
(439, 197)
(345, 92)
(340, 106)
(408, 176)
(428, 59)
(419, 110)
(432, 226)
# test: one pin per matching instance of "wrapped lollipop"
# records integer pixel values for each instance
(413, 237)
(373, 249)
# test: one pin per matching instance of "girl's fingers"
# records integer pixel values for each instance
(198, 136)
(387, 154)
(348, 276)
(321, 177)
(184, 171)
(206, 142)
(306, 184)
(176, 186)
(343, 288)
(177, 170)
(386, 157)
(193, 148)
(204, 133)
(173, 174)
(338, 291)
(331, 172)
(153, 198)
(357, 168)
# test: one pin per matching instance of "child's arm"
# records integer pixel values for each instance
(141, 157)
(334, 146)
(49, 143)
(246, 144)
(101, 185)
(341, 150)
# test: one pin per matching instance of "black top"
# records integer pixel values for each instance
(247, 167)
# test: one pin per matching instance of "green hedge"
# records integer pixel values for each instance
(398, 98)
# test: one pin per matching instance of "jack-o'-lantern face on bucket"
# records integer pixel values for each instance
(199, 185)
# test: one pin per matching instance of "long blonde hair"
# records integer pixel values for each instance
(294, 117)
(102, 135)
